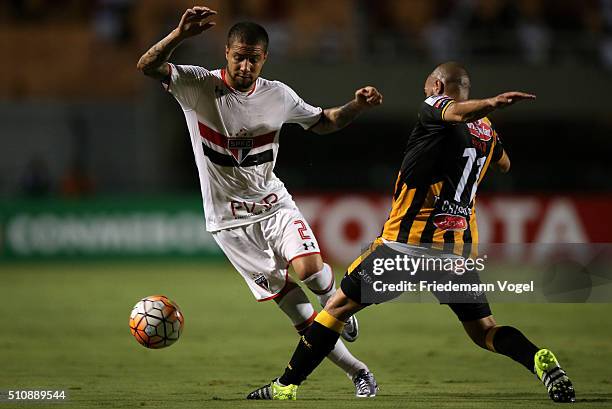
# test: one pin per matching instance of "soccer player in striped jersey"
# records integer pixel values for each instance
(447, 155)
(234, 119)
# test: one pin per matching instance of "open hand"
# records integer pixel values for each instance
(368, 97)
(193, 21)
(509, 98)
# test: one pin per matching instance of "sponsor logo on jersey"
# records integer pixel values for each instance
(455, 208)
(481, 130)
(309, 246)
(450, 222)
(261, 281)
(241, 209)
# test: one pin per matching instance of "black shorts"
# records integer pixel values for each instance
(358, 281)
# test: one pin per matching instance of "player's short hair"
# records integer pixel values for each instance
(249, 33)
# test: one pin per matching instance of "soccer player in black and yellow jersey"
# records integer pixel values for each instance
(447, 156)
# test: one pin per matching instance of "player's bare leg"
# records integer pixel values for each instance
(319, 338)
(511, 342)
(341, 307)
(295, 304)
(477, 329)
(319, 278)
(315, 345)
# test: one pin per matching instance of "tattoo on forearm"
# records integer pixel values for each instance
(339, 117)
(347, 114)
(157, 55)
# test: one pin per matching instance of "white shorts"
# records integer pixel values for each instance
(262, 251)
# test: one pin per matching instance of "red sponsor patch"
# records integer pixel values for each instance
(450, 222)
(481, 130)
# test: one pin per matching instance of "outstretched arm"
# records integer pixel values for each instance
(153, 63)
(474, 109)
(334, 119)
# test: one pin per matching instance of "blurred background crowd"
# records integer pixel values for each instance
(87, 39)
(77, 118)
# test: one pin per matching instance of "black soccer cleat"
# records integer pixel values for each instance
(548, 370)
(562, 391)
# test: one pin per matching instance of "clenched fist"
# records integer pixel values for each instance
(368, 97)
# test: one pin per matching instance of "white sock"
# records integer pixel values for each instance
(343, 358)
(322, 284)
(296, 306)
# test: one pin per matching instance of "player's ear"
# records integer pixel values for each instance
(438, 87)
(227, 52)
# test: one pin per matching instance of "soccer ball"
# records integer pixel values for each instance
(156, 322)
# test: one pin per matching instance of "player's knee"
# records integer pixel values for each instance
(306, 266)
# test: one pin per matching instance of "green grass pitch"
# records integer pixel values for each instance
(65, 325)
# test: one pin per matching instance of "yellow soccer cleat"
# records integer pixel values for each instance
(274, 391)
(548, 370)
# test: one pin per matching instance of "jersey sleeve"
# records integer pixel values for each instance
(299, 112)
(433, 109)
(498, 149)
(186, 83)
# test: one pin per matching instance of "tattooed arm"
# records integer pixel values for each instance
(334, 119)
(153, 63)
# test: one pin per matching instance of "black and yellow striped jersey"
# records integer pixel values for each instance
(434, 195)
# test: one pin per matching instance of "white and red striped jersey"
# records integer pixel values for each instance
(234, 136)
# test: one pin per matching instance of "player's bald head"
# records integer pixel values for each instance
(450, 78)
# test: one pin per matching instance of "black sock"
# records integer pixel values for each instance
(313, 347)
(511, 342)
